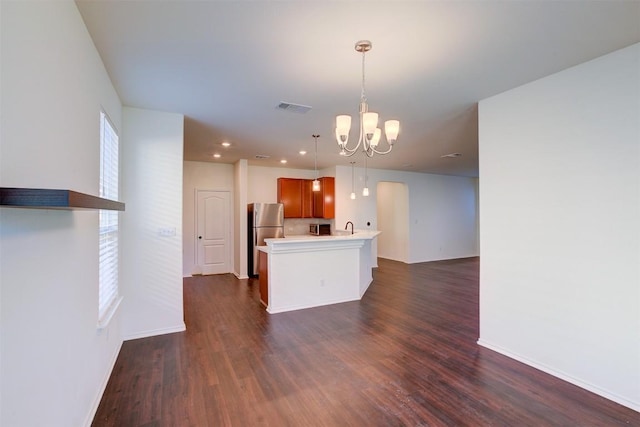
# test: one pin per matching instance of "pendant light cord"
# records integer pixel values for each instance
(352, 178)
(365, 170)
(315, 158)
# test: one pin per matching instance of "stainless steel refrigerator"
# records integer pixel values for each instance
(266, 220)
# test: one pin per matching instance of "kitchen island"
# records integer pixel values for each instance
(310, 271)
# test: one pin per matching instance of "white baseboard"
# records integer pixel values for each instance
(154, 332)
(305, 306)
(563, 376)
(238, 276)
(366, 288)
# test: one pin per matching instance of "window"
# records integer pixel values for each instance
(108, 297)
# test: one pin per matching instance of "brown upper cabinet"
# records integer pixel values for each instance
(290, 195)
(301, 202)
(324, 205)
(307, 198)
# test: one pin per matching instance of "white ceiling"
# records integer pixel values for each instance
(226, 65)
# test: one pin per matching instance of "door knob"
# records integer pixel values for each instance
(199, 237)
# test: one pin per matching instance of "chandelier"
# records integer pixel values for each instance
(369, 131)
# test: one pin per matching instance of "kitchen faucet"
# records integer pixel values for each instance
(347, 225)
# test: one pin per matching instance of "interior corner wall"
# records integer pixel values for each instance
(240, 242)
(54, 362)
(559, 229)
(151, 238)
(201, 176)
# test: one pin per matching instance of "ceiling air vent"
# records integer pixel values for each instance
(262, 156)
(451, 156)
(294, 108)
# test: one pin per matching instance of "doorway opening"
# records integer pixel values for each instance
(392, 205)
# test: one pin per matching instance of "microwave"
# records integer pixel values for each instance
(320, 229)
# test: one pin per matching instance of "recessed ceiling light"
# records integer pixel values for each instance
(451, 155)
(217, 155)
(302, 152)
(226, 144)
(283, 161)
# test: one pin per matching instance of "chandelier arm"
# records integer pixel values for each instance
(350, 152)
(361, 141)
(381, 152)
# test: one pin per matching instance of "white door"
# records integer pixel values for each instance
(212, 239)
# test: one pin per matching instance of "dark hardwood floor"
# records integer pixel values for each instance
(406, 355)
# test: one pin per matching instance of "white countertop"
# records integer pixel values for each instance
(341, 235)
(305, 242)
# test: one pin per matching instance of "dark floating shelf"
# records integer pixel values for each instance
(36, 198)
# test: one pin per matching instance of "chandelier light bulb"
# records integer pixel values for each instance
(376, 137)
(369, 122)
(343, 126)
(316, 185)
(391, 130)
(353, 196)
(365, 191)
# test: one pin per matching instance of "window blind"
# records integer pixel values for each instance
(108, 258)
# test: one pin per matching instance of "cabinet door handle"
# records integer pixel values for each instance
(199, 237)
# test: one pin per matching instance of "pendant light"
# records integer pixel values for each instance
(316, 183)
(365, 190)
(353, 192)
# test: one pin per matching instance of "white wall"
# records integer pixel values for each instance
(152, 146)
(442, 219)
(54, 361)
(560, 236)
(240, 242)
(201, 176)
(263, 182)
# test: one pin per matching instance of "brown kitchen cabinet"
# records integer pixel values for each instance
(307, 198)
(296, 196)
(300, 201)
(324, 205)
(290, 195)
(263, 277)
